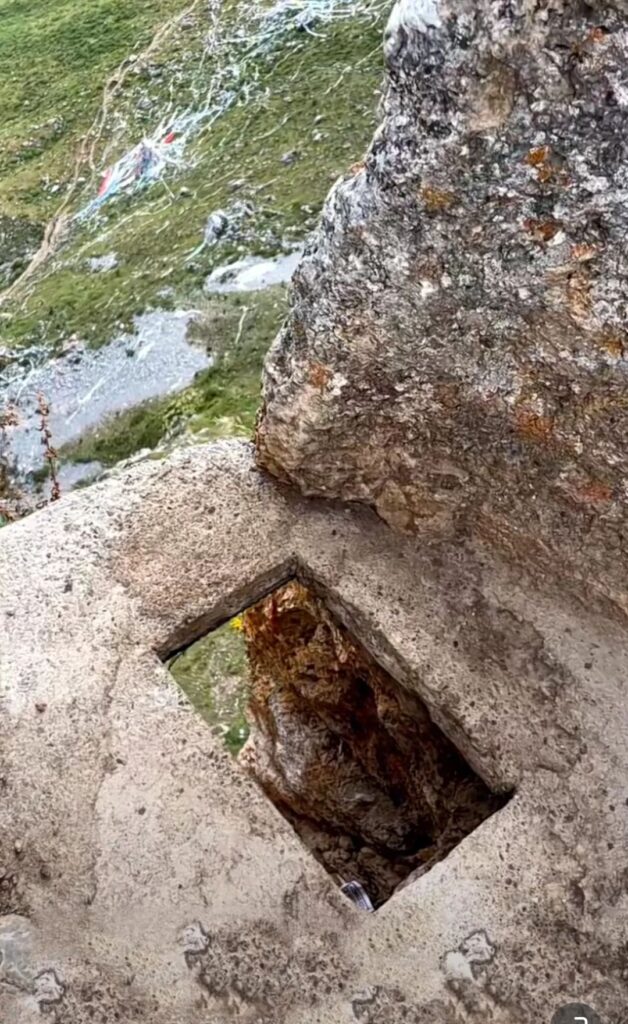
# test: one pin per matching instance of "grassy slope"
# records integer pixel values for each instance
(223, 400)
(153, 236)
(314, 95)
(54, 60)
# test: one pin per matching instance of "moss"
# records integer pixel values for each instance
(121, 436)
(18, 238)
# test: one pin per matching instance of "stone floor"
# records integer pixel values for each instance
(144, 877)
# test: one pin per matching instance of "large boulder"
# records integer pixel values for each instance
(456, 352)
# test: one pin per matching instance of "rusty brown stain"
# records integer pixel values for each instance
(537, 156)
(9, 416)
(611, 342)
(437, 199)
(532, 426)
(579, 293)
(541, 230)
(319, 375)
(597, 34)
(540, 157)
(584, 252)
(357, 167)
(594, 493)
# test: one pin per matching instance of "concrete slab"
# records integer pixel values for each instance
(145, 877)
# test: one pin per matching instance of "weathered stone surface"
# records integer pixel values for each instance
(145, 878)
(457, 350)
(352, 759)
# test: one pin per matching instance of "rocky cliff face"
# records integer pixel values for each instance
(456, 352)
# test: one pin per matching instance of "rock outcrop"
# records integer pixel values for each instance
(456, 354)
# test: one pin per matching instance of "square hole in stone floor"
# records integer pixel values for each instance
(372, 787)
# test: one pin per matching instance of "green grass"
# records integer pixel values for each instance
(213, 674)
(317, 96)
(154, 234)
(55, 56)
(224, 399)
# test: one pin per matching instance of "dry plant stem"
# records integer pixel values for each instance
(50, 453)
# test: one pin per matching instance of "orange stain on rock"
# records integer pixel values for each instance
(584, 252)
(541, 230)
(532, 426)
(319, 376)
(594, 493)
(597, 34)
(579, 294)
(437, 199)
(612, 343)
(538, 156)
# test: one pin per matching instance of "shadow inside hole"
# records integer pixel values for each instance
(352, 759)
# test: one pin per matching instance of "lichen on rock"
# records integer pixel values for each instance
(456, 351)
